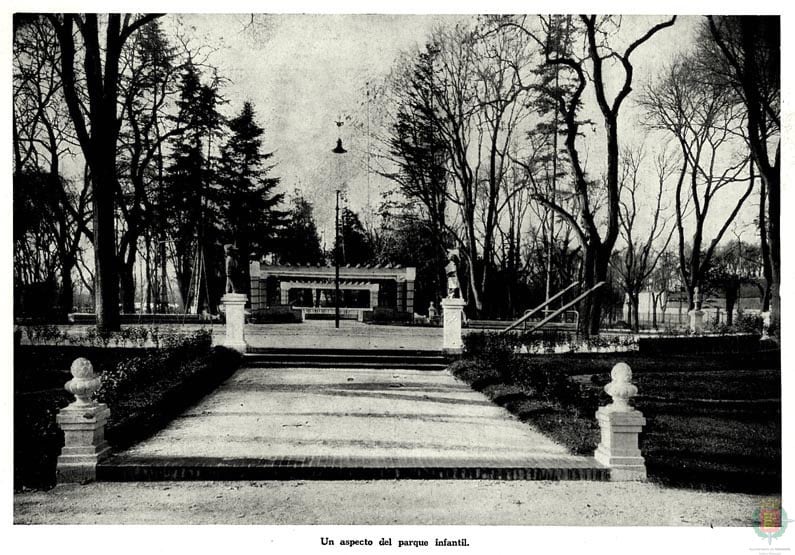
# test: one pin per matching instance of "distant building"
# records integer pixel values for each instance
(363, 289)
(714, 305)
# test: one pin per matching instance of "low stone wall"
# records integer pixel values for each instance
(276, 314)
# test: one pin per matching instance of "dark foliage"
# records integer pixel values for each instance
(144, 388)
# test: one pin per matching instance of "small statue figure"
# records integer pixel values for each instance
(697, 297)
(432, 312)
(451, 269)
(231, 268)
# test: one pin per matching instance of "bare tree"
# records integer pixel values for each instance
(95, 121)
(43, 136)
(734, 265)
(638, 259)
(591, 68)
(707, 128)
(745, 53)
(413, 153)
(661, 284)
(147, 88)
(466, 89)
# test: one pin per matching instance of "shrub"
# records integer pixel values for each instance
(139, 335)
(144, 369)
(495, 349)
(749, 323)
(476, 373)
(494, 358)
(45, 333)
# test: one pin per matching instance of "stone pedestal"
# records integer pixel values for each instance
(627, 309)
(453, 311)
(765, 326)
(620, 425)
(234, 308)
(696, 320)
(83, 425)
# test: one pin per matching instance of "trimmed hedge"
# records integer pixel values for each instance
(144, 389)
(700, 344)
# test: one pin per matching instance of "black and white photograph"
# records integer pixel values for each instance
(435, 280)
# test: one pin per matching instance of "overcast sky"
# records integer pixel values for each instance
(304, 71)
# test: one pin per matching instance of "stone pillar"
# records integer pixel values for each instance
(411, 276)
(83, 425)
(374, 295)
(696, 320)
(400, 292)
(453, 310)
(696, 315)
(257, 302)
(627, 308)
(765, 325)
(620, 425)
(234, 308)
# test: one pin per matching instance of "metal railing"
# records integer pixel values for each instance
(532, 311)
(556, 312)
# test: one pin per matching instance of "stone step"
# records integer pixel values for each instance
(125, 468)
(431, 367)
(343, 352)
(354, 357)
(344, 358)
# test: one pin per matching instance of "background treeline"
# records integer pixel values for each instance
(503, 138)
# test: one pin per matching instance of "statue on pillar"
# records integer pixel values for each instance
(451, 269)
(231, 268)
(697, 297)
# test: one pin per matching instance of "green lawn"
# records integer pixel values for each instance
(713, 420)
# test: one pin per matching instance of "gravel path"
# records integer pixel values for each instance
(384, 503)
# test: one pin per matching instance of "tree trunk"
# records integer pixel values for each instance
(654, 298)
(66, 294)
(767, 260)
(584, 306)
(106, 276)
(774, 239)
(601, 266)
(594, 271)
(163, 306)
(184, 272)
(635, 302)
(731, 299)
(127, 281)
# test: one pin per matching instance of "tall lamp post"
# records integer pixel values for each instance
(337, 150)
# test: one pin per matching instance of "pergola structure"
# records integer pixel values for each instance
(311, 288)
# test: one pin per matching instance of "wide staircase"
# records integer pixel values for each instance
(345, 358)
(346, 414)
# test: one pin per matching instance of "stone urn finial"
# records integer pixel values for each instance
(84, 383)
(83, 424)
(621, 389)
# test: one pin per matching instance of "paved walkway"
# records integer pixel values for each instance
(343, 418)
